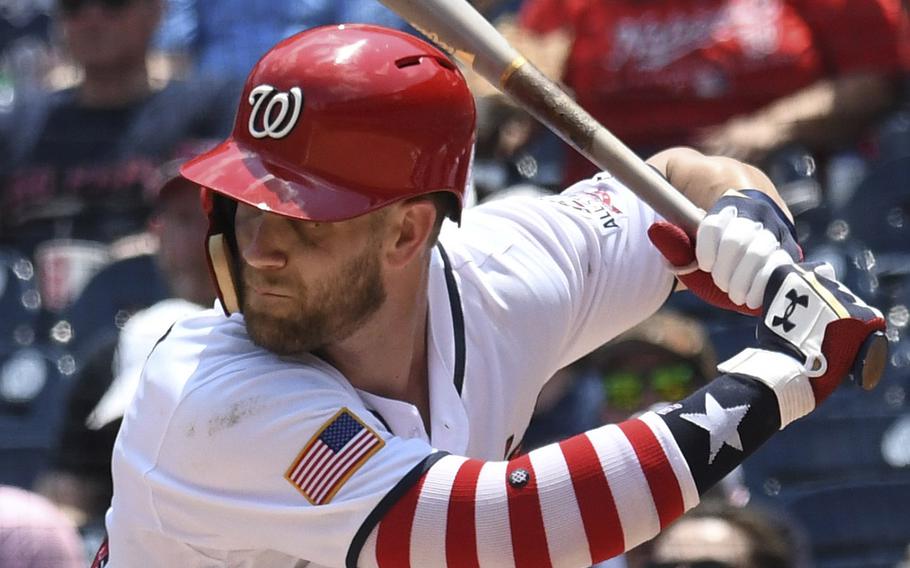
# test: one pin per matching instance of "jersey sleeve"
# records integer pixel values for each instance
(573, 270)
(283, 467)
(577, 502)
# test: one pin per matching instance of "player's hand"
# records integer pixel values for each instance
(814, 332)
(743, 238)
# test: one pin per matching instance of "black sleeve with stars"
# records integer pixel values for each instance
(721, 424)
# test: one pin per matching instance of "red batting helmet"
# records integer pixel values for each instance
(335, 122)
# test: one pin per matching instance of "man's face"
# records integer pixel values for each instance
(108, 34)
(694, 540)
(306, 285)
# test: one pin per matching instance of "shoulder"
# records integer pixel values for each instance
(212, 401)
(207, 102)
(600, 203)
(229, 393)
(201, 88)
(248, 448)
(23, 119)
(221, 359)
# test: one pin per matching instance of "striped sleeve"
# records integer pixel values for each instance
(574, 503)
(569, 504)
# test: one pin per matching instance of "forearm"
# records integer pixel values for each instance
(580, 501)
(704, 179)
(829, 112)
(597, 494)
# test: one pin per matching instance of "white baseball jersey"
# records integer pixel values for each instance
(233, 456)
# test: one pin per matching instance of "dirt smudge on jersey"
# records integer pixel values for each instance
(236, 413)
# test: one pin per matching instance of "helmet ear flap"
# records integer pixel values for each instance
(221, 263)
(221, 248)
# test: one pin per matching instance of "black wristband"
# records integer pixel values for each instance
(721, 424)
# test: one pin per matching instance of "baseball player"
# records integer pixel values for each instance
(358, 394)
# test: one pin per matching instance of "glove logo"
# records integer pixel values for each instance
(795, 300)
(274, 113)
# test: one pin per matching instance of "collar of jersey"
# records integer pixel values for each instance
(448, 417)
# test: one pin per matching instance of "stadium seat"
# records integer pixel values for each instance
(34, 385)
(856, 525)
(824, 450)
(879, 213)
(20, 302)
(110, 298)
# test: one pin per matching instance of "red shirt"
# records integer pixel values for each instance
(654, 71)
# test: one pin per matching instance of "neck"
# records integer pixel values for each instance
(387, 356)
(114, 87)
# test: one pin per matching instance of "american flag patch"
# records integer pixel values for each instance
(331, 457)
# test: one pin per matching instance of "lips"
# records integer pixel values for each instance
(266, 290)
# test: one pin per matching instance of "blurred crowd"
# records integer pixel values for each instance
(102, 100)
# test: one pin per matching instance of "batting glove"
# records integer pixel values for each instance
(740, 242)
(814, 332)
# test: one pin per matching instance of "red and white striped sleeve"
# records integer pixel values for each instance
(573, 503)
(583, 500)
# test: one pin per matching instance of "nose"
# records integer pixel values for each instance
(260, 241)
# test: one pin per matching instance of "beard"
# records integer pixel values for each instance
(327, 311)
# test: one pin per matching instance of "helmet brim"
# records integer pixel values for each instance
(242, 175)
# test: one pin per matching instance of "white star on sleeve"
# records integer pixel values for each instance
(721, 424)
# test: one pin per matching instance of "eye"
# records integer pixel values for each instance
(306, 231)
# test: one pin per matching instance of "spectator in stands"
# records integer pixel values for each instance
(734, 77)
(80, 480)
(81, 163)
(664, 358)
(513, 150)
(721, 536)
(34, 534)
(226, 37)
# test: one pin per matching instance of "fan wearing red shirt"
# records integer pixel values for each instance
(734, 77)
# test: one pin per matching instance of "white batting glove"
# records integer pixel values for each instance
(740, 254)
(744, 237)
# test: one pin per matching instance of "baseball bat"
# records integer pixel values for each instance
(457, 28)
(460, 30)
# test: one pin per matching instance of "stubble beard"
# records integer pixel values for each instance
(329, 310)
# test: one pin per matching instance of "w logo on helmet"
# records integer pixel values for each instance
(274, 112)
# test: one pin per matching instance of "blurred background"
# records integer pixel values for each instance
(102, 100)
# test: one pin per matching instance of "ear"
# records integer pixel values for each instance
(410, 227)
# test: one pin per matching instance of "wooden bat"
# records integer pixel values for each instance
(457, 28)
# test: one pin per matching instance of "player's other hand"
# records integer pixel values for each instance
(813, 333)
(740, 242)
